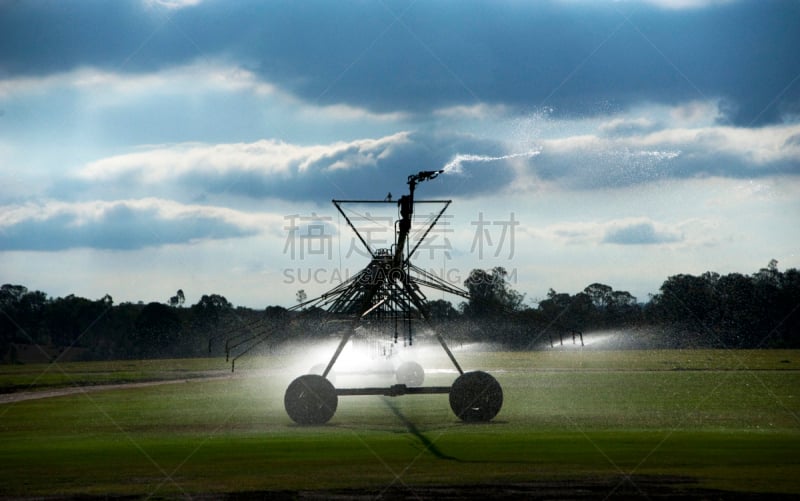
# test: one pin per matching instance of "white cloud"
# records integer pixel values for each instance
(686, 4)
(691, 232)
(695, 114)
(664, 4)
(346, 112)
(627, 126)
(480, 111)
(14, 87)
(82, 213)
(172, 4)
(756, 146)
(123, 224)
(266, 157)
(602, 160)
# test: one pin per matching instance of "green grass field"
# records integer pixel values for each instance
(27, 377)
(705, 419)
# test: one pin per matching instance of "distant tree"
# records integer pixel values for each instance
(787, 334)
(207, 317)
(10, 297)
(11, 294)
(600, 295)
(301, 296)
(770, 274)
(622, 299)
(441, 309)
(275, 312)
(738, 311)
(686, 299)
(623, 308)
(556, 307)
(580, 314)
(31, 310)
(158, 329)
(490, 293)
(178, 299)
(71, 320)
(597, 306)
(213, 302)
(114, 336)
(730, 311)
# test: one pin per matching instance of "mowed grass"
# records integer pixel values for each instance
(716, 419)
(32, 377)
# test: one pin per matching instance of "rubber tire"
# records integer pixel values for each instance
(310, 399)
(410, 374)
(476, 396)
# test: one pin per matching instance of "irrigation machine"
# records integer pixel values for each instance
(385, 298)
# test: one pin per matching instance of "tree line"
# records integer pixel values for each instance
(101, 330)
(760, 310)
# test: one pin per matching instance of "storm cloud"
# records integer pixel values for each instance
(578, 57)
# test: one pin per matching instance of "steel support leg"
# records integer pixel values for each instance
(449, 353)
(338, 352)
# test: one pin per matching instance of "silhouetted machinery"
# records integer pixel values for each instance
(386, 296)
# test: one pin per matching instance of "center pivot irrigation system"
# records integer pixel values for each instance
(385, 297)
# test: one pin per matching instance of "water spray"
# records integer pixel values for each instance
(454, 166)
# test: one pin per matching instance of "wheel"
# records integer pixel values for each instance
(476, 396)
(320, 368)
(410, 374)
(310, 399)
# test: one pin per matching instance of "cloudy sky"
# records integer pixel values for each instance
(147, 146)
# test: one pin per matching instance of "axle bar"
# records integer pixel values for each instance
(394, 391)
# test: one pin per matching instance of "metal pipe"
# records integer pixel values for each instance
(338, 352)
(394, 391)
(449, 353)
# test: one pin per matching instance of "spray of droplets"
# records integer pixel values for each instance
(455, 166)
